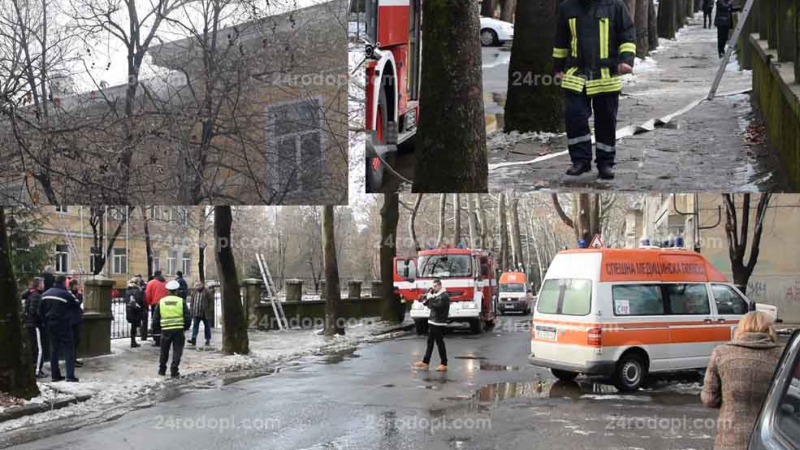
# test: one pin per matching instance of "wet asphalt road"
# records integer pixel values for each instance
(371, 399)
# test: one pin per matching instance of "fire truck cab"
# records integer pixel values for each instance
(467, 275)
(393, 53)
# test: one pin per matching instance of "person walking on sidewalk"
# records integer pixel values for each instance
(723, 22)
(134, 308)
(738, 377)
(171, 320)
(34, 324)
(595, 43)
(708, 8)
(76, 318)
(202, 310)
(156, 290)
(183, 292)
(438, 301)
(54, 309)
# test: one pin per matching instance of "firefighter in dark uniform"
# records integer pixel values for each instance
(595, 44)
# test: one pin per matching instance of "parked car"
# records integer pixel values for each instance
(495, 32)
(778, 424)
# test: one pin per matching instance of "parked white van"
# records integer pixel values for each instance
(629, 312)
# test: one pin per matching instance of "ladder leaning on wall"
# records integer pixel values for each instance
(266, 277)
(71, 244)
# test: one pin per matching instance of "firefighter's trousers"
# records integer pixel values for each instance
(577, 111)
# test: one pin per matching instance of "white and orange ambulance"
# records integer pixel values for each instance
(514, 293)
(629, 312)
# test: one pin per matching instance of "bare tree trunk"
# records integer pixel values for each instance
(502, 221)
(652, 26)
(519, 261)
(483, 224)
(16, 368)
(234, 320)
(201, 244)
(641, 21)
(390, 215)
(666, 18)
(412, 230)
(451, 140)
(332, 291)
(442, 209)
(738, 236)
(148, 244)
(457, 219)
(533, 103)
(487, 8)
(471, 219)
(507, 13)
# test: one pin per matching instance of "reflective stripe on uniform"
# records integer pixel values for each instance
(573, 28)
(572, 81)
(627, 47)
(560, 52)
(604, 38)
(604, 147)
(171, 309)
(578, 140)
(613, 84)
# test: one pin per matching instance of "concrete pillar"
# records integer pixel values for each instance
(294, 290)
(252, 298)
(786, 30)
(95, 332)
(376, 287)
(354, 289)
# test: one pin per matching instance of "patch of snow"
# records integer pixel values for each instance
(500, 140)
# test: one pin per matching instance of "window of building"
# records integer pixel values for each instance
(296, 142)
(637, 300)
(186, 265)
(62, 258)
(117, 214)
(156, 260)
(120, 262)
(62, 209)
(172, 262)
(688, 298)
(95, 258)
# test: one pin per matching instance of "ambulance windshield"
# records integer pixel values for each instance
(569, 296)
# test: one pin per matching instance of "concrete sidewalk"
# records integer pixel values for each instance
(718, 145)
(129, 375)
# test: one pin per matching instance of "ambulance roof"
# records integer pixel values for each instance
(512, 277)
(652, 264)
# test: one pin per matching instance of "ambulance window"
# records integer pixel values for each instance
(567, 296)
(728, 300)
(788, 422)
(637, 300)
(688, 299)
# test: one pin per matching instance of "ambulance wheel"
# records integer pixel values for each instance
(630, 372)
(421, 326)
(375, 167)
(476, 326)
(564, 375)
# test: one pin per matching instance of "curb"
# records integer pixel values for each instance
(395, 330)
(27, 410)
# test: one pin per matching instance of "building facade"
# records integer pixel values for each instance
(700, 219)
(74, 234)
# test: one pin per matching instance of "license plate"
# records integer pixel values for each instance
(511, 306)
(547, 333)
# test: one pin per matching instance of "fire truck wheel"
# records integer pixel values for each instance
(422, 326)
(488, 37)
(375, 167)
(476, 325)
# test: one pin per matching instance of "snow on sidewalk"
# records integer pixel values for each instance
(131, 374)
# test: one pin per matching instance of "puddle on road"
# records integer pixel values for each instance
(336, 357)
(470, 357)
(498, 367)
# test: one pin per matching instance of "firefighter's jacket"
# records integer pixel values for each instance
(592, 38)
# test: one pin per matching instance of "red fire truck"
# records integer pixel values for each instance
(467, 275)
(393, 54)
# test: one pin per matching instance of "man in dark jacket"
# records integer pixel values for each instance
(54, 309)
(723, 22)
(48, 277)
(438, 301)
(76, 318)
(183, 292)
(202, 311)
(595, 43)
(708, 8)
(171, 320)
(135, 310)
(34, 324)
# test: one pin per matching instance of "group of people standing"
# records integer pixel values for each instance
(166, 302)
(53, 312)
